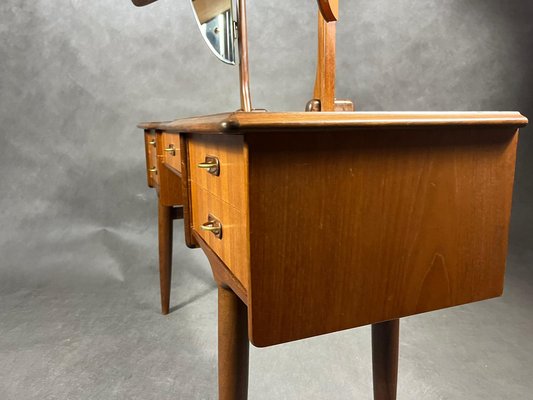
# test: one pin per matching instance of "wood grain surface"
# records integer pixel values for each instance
(351, 229)
(269, 123)
(171, 151)
(165, 230)
(233, 347)
(229, 185)
(233, 248)
(169, 180)
(151, 157)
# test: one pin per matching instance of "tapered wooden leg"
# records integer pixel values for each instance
(385, 352)
(233, 346)
(165, 219)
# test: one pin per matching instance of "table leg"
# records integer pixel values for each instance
(385, 352)
(165, 254)
(233, 346)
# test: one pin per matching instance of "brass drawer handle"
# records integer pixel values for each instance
(171, 150)
(213, 225)
(211, 164)
(152, 142)
(153, 169)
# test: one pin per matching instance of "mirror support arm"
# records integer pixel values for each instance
(326, 63)
(244, 72)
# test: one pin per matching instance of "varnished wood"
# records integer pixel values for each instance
(329, 9)
(239, 123)
(151, 157)
(385, 352)
(233, 347)
(222, 275)
(172, 159)
(326, 70)
(185, 187)
(229, 185)
(165, 254)
(233, 248)
(351, 229)
(244, 69)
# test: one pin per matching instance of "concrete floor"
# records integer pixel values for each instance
(100, 336)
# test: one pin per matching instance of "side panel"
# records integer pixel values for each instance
(353, 228)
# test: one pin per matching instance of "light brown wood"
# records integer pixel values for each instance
(168, 185)
(352, 229)
(244, 69)
(151, 159)
(185, 187)
(267, 122)
(165, 254)
(233, 248)
(229, 185)
(222, 275)
(171, 151)
(326, 69)
(329, 9)
(169, 180)
(233, 347)
(385, 353)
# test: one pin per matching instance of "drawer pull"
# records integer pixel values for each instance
(152, 142)
(211, 164)
(213, 225)
(171, 150)
(153, 169)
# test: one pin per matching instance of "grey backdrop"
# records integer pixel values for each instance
(78, 269)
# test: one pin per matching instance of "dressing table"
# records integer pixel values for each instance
(319, 221)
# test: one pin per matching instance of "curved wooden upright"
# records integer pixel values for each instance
(326, 64)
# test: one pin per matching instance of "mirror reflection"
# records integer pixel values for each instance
(215, 20)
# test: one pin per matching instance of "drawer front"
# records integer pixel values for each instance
(232, 247)
(171, 150)
(229, 182)
(151, 158)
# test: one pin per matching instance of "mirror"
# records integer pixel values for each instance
(215, 20)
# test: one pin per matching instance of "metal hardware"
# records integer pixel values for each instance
(313, 105)
(213, 225)
(171, 150)
(153, 169)
(211, 164)
(153, 142)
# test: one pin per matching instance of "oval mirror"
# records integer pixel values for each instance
(215, 20)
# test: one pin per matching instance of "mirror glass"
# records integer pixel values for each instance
(215, 20)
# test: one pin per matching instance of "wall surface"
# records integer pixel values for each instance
(77, 76)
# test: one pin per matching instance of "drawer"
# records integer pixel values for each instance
(151, 158)
(229, 182)
(171, 150)
(232, 247)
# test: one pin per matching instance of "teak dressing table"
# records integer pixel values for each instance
(315, 222)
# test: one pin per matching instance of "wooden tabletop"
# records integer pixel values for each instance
(239, 122)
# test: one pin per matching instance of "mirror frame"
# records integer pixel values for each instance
(206, 40)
